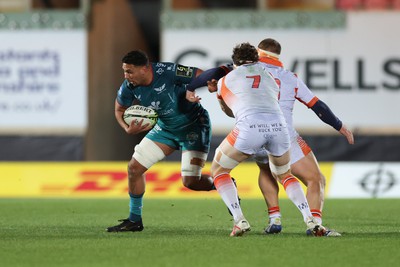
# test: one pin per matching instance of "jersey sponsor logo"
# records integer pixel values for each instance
(155, 105)
(184, 71)
(166, 112)
(139, 97)
(159, 64)
(160, 89)
(160, 71)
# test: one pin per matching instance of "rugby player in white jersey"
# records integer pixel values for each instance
(303, 162)
(304, 165)
(249, 93)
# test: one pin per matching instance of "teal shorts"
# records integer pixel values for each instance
(196, 136)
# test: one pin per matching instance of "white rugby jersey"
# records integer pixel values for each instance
(250, 89)
(291, 88)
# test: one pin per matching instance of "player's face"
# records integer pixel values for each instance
(134, 74)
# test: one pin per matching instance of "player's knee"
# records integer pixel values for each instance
(192, 165)
(148, 153)
(134, 170)
(223, 160)
(315, 181)
(282, 170)
(317, 178)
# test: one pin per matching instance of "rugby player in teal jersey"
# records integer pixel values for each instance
(181, 125)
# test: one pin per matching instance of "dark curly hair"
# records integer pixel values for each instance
(244, 53)
(136, 58)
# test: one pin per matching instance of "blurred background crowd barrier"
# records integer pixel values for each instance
(60, 68)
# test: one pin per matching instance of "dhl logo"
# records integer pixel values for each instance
(110, 180)
(103, 181)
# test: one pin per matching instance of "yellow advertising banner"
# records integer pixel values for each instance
(109, 180)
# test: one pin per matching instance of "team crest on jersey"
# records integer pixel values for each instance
(184, 71)
(160, 89)
(192, 136)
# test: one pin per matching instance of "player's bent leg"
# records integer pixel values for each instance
(269, 188)
(224, 164)
(295, 193)
(226, 158)
(191, 167)
(307, 170)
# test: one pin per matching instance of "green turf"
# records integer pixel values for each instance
(70, 232)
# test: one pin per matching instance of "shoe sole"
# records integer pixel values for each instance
(123, 230)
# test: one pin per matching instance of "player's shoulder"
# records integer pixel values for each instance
(174, 69)
(125, 86)
(287, 74)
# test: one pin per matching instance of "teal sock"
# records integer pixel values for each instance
(135, 207)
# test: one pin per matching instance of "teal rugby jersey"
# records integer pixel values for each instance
(166, 94)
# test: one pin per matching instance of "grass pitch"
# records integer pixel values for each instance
(189, 232)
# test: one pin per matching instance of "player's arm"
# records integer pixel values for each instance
(204, 79)
(321, 109)
(133, 128)
(326, 115)
(208, 75)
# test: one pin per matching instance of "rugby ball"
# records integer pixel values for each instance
(137, 113)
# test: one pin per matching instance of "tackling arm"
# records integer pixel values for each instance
(326, 115)
(208, 75)
(203, 79)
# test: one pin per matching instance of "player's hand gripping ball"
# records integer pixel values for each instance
(137, 113)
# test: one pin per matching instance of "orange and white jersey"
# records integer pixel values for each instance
(291, 88)
(250, 89)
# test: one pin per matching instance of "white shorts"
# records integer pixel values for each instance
(298, 150)
(260, 132)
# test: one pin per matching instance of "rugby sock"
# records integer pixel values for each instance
(317, 214)
(296, 195)
(135, 207)
(274, 212)
(228, 192)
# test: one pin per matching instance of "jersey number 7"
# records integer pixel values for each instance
(256, 80)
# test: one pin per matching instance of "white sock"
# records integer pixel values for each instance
(228, 192)
(296, 195)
